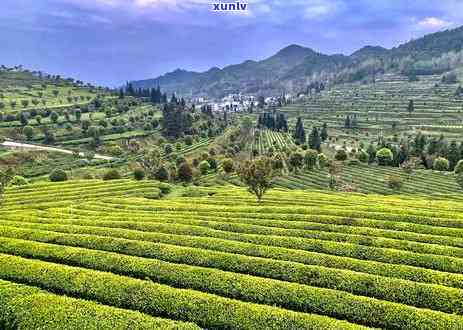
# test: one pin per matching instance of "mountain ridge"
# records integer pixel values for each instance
(295, 66)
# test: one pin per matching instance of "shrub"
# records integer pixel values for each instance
(459, 179)
(441, 164)
(112, 174)
(165, 188)
(310, 159)
(168, 149)
(395, 182)
(58, 175)
(189, 140)
(212, 163)
(28, 131)
(19, 181)
(322, 160)
(228, 165)
(363, 156)
(193, 192)
(384, 156)
(185, 172)
(139, 174)
(162, 174)
(341, 155)
(204, 167)
(459, 167)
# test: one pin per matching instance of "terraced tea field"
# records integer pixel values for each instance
(99, 255)
(380, 105)
(374, 180)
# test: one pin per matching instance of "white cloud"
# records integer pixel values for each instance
(433, 23)
(317, 9)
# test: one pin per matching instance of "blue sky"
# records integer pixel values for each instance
(111, 41)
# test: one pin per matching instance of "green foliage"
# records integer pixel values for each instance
(185, 173)
(384, 157)
(257, 175)
(459, 167)
(341, 155)
(58, 175)
(363, 156)
(441, 164)
(112, 174)
(139, 174)
(26, 307)
(310, 159)
(204, 167)
(395, 182)
(162, 174)
(19, 181)
(228, 165)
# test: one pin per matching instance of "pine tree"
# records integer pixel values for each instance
(324, 132)
(347, 122)
(121, 93)
(315, 140)
(453, 155)
(299, 134)
(411, 106)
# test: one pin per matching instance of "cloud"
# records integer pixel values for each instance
(433, 23)
(318, 9)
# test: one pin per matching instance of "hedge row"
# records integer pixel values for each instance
(191, 246)
(288, 295)
(316, 232)
(204, 309)
(25, 307)
(437, 262)
(398, 230)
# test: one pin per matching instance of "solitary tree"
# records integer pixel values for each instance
(258, 175)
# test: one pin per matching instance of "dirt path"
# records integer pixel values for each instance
(20, 145)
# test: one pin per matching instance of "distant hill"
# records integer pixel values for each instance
(294, 67)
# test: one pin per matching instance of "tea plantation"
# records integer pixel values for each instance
(143, 255)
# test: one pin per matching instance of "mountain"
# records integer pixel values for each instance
(294, 67)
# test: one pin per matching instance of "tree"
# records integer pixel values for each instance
(185, 173)
(341, 155)
(310, 159)
(363, 156)
(459, 167)
(322, 160)
(58, 175)
(371, 151)
(384, 157)
(228, 166)
(6, 175)
(54, 117)
(299, 133)
(28, 131)
(315, 140)
(324, 132)
(204, 167)
(441, 164)
(150, 162)
(162, 174)
(112, 174)
(395, 182)
(258, 175)
(24, 103)
(295, 161)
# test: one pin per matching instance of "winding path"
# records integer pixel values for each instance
(20, 145)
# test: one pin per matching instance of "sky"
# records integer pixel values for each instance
(108, 42)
